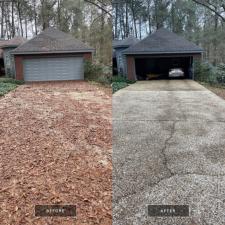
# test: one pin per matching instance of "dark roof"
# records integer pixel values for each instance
(52, 40)
(125, 43)
(14, 42)
(163, 41)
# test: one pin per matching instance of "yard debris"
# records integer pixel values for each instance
(55, 148)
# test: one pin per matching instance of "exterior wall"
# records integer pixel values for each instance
(9, 63)
(121, 61)
(131, 71)
(88, 56)
(19, 61)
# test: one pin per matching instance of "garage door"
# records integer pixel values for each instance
(47, 69)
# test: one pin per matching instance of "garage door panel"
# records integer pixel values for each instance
(47, 69)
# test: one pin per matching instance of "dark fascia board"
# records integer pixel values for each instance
(158, 53)
(121, 46)
(53, 52)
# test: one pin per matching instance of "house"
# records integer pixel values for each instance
(119, 59)
(8, 58)
(2, 69)
(160, 52)
(50, 56)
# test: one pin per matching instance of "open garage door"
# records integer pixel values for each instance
(159, 67)
(53, 69)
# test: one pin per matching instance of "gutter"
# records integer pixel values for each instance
(51, 52)
(158, 53)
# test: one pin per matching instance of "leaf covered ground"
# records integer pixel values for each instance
(55, 148)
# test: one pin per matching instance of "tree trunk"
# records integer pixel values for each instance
(20, 18)
(35, 16)
(2, 20)
(59, 14)
(13, 22)
(26, 26)
(116, 21)
(127, 25)
(134, 19)
(215, 38)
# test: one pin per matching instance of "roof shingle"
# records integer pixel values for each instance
(52, 40)
(163, 41)
(125, 43)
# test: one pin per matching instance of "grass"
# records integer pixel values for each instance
(8, 84)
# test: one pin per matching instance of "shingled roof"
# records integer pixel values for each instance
(163, 42)
(125, 43)
(52, 40)
(14, 42)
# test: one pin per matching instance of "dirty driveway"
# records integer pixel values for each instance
(168, 148)
(55, 148)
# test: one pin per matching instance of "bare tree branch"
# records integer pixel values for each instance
(210, 8)
(99, 6)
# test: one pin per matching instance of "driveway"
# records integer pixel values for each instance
(55, 148)
(169, 149)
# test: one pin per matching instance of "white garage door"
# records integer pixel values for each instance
(47, 69)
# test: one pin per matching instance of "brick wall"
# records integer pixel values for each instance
(131, 71)
(19, 67)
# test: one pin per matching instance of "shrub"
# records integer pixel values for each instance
(118, 85)
(11, 81)
(104, 79)
(221, 73)
(121, 78)
(205, 72)
(6, 87)
(98, 73)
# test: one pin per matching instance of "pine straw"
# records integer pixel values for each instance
(55, 148)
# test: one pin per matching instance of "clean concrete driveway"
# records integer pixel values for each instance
(168, 148)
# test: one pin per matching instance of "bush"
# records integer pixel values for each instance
(6, 87)
(11, 81)
(205, 72)
(121, 78)
(118, 85)
(221, 73)
(98, 73)
(104, 79)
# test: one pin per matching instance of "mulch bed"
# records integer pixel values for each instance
(55, 148)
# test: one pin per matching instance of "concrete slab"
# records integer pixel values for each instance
(168, 148)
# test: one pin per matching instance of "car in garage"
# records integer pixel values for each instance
(176, 73)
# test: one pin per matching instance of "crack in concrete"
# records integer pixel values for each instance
(165, 161)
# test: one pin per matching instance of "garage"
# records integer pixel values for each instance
(160, 53)
(153, 66)
(47, 69)
(51, 56)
